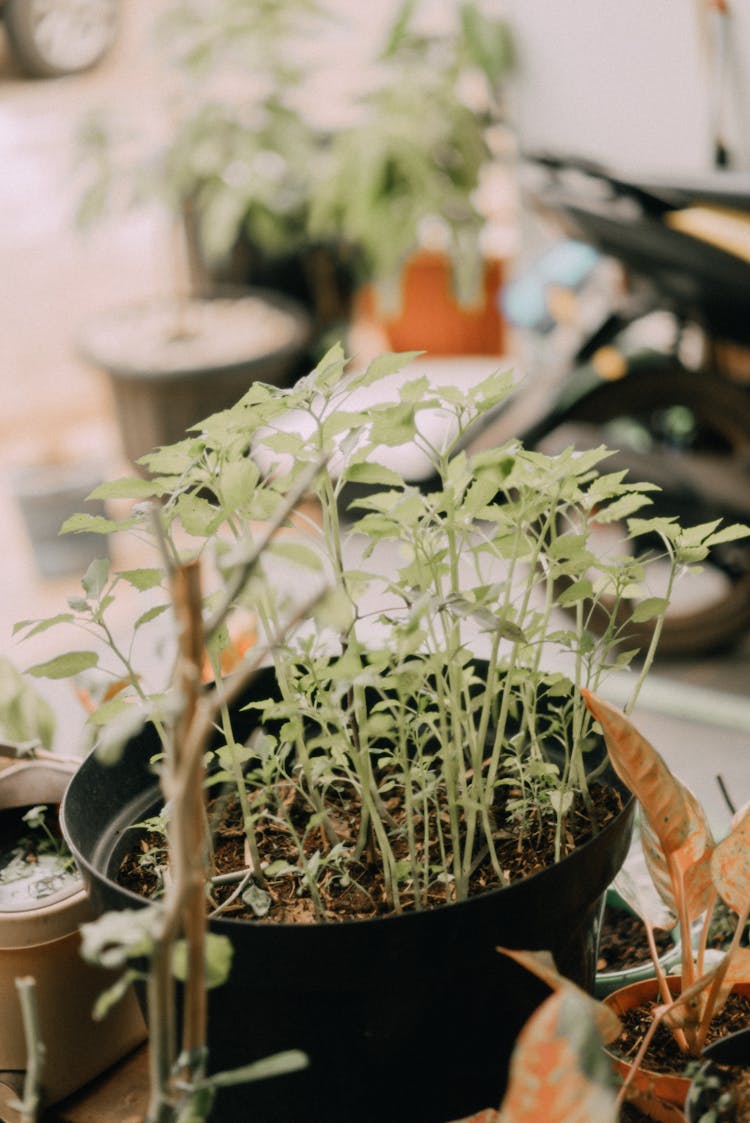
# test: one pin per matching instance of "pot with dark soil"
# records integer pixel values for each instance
(411, 741)
(623, 954)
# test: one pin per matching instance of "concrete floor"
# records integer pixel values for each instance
(54, 408)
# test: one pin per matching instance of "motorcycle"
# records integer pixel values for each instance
(660, 370)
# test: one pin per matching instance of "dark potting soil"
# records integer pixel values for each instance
(663, 1055)
(623, 942)
(358, 892)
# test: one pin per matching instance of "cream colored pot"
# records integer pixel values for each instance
(42, 940)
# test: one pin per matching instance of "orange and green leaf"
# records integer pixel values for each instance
(558, 1071)
(730, 865)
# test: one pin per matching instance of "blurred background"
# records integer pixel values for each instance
(311, 165)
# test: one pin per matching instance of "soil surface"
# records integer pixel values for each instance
(350, 890)
(623, 943)
(663, 1054)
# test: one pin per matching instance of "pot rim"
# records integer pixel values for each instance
(46, 923)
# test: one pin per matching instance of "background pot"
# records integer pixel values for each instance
(404, 1018)
(48, 494)
(44, 942)
(430, 319)
(609, 981)
(171, 365)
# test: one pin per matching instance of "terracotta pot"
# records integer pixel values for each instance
(659, 1095)
(429, 317)
(43, 942)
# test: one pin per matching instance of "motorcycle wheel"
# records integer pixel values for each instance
(677, 428)
(52, 38)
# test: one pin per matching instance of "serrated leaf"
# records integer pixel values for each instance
(142, 579)
(732, 533)
(93, 524)
(383, 366)
(578, 591)
(199, 517)
(65, 666)
(238, 482)
(151, 614)
(127, 487)
(38, 626)
(648, 609)
(621, 508)
(376, 474)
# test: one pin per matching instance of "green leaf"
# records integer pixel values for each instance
(128, 487)
(237, 483)
(393, 425)
(96, 577)
(385, 365)
(218, 960)
(199, 517)
(94, 524)
(108, 711)
(371, 473)
(578, 591)
(259, 900)
(112, 995)
(621, 508)
(296, 552)
(728, 534)
(38, 626)
(142, 579)
(150, 614)
(648, 609)
(280, 1064)
(65, 666)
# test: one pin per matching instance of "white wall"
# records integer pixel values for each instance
(628, 82)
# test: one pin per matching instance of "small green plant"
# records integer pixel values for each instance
(394, 172)
(427, 680)
(416, 722)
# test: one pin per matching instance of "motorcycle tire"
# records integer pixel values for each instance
(681, 416)
(53, 38)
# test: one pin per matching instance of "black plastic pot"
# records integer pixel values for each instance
(409, 1018)
(725, 1058)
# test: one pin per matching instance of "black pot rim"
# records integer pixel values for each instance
(513, 892)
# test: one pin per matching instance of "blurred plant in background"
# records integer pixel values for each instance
(262, 194)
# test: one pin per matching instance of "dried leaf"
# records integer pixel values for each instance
(730, 865)
(677, 839)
